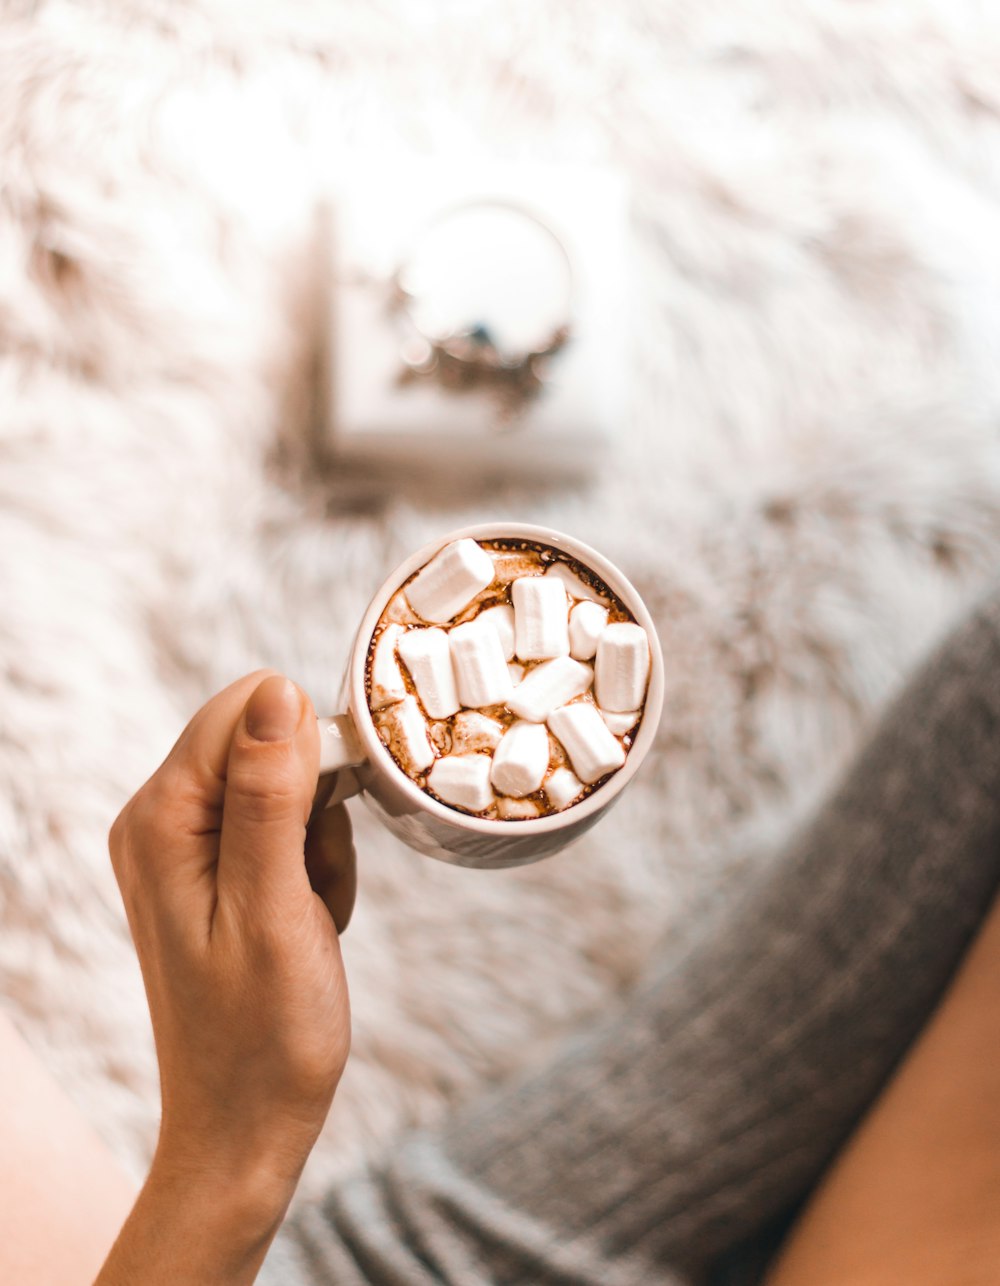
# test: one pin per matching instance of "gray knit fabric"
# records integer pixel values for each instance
(668, 1142)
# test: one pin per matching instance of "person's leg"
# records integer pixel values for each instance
(63, 1197)
(914, 1197)
(716, 1096)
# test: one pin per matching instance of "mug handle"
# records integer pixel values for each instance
(340, 750)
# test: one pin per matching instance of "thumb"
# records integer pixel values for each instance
(271, 777)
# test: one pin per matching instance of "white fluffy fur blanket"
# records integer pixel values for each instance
(808, 487)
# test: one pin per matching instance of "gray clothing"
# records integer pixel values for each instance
(672, 1142)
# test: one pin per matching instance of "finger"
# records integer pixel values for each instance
(176, 816)
(271, 775)
(194, 771)
(325, 787)
(331, 864)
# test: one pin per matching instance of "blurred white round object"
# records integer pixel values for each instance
(490, 273)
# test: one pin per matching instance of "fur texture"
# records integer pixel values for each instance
(808, 487)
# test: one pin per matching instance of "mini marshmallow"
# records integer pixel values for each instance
(548, 686)
(517, 810)
(463, 780)
(575, 587)
(586, 624)
(387, 680)
(516, 671)
(521, 759)
(399, 611)
(562, 787)
(502, 620)
(540, 618)
(480, 668)
(557, 753)
(620, 723)
(622, 667)
(450, 581)
(474, 731)
(508, 564)
(440, 735)
(427, 656)
(407, 731)
(592, 749)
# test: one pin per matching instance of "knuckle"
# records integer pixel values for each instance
(140, 828)
(116, 836)
(265, 791)
(146, 808)
(121, 843)
(118, 843)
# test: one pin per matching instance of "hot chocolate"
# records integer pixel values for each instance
(506, 679)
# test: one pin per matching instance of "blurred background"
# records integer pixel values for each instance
(779, 418)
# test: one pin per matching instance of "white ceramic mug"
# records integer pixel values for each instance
(351, 746)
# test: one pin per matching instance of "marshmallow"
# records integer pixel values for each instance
(548, 686)
(450, 581)
(508, 564)
(622, 667)
(517, 810)
(516, 671)
(408, 735)
(592, 749)
(480, 668)
(562, 787)
(502, 620)
(387, 680)
(586, 624)
(427, 656)
(399, 611)
(557, 753)
(440, 735)
(463, 780)
(575, 587)
(521, 759)
(540, 618)
(474, 731)
(620, 723)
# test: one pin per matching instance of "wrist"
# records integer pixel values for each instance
(259, 1153)
(199, 1222)
(244, 1190)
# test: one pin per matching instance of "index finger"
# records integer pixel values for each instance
(175, 818)
(182, 801)
(194, 770)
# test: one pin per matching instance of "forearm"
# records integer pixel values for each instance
(244, 977)
(197, 1226)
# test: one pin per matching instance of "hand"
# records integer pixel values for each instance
(235, 909)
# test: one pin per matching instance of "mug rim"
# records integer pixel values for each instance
(616, 580)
